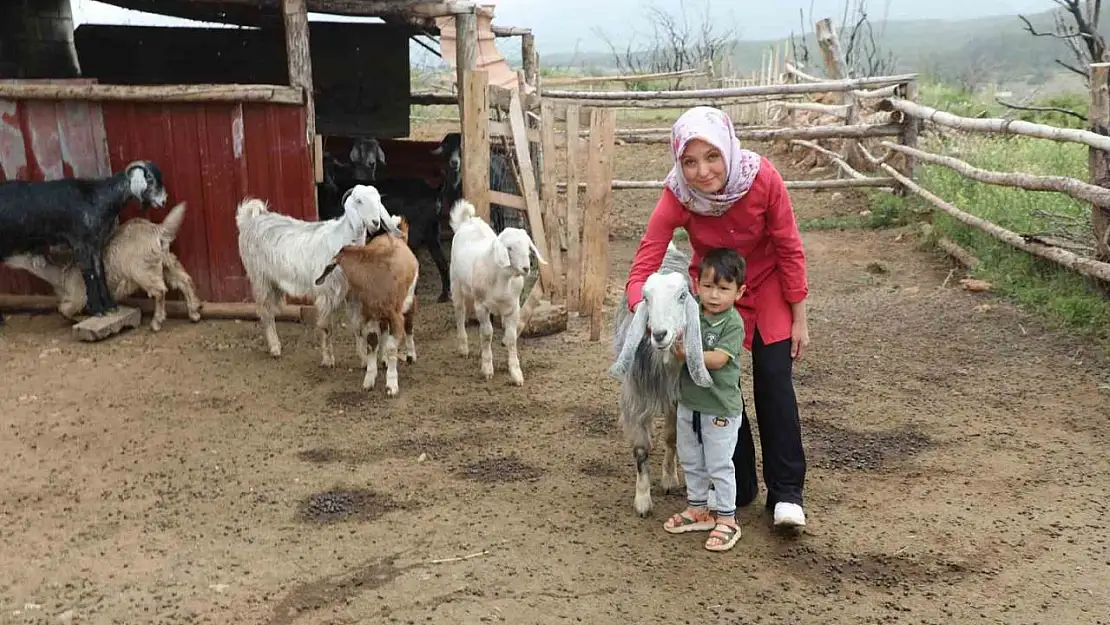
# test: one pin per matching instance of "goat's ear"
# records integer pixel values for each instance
(535, 249)
(343, 201)
(136, 177)
(353, 155)
(389, 221)
(380, 152)
(632, 337)
(691, 342)
(500, 253)
(439, 150)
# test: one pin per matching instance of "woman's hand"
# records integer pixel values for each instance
(799, 331)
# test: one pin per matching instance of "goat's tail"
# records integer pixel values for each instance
(248, 209)
(171, 224)
(460, 212)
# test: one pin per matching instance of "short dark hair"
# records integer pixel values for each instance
(726, 263)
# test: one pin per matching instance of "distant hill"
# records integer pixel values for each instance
(983, 50)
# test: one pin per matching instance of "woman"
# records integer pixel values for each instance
(724, 196)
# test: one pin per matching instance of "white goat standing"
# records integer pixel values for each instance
(487, 271)
(648, 370)
(137, 258)
(285, 255)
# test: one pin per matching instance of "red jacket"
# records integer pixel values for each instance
(761, 227)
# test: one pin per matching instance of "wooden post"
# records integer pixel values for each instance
(466, 53)
(1098, 161)
(836, 69)
(574, 229)
(550, 197)
(474, 105)
(528, 58)
(599, 174)
(299, 58)
(910, 126)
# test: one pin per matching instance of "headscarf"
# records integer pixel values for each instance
(713, 126)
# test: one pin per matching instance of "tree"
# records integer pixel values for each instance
(863, 56)
(674, 44)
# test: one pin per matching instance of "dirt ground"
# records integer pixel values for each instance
(958, 469)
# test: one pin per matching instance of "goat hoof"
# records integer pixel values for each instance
(155, 327)
(275, 352)
(391, 391)
(194, 317)
(410, 359)
(444, 297)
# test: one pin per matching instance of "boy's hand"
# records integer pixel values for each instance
(679, 350)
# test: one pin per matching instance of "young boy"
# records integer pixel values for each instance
(709, 418)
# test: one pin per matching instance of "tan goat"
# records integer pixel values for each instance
(137, 258)
(382, 277)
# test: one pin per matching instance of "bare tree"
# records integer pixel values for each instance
(673, 44)
(1076, 25)
(863, 55)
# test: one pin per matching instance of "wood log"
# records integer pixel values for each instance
(836, 158)
(586, 80)
(299, 59)
(426, 99)
(997, 125)
(509, 31)
(475, 141)
(617, 185)
(950, 247)
(175, 309)
(574, 220)
(1062, 184)
(832, 131)
(757, 90)
(1098, 163)
(545, 319)
(276, 94)
(1064, 258)
(837, 110)
(672, 104)
(528, 59)
(552, 225)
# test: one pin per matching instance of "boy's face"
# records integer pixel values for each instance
(716, 295)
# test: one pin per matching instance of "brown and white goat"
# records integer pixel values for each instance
(137, 258)
(382, 278)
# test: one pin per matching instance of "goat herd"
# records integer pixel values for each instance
(358, 256)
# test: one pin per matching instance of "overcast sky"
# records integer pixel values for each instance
(559, 25)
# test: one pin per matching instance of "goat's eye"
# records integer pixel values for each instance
(682, 296)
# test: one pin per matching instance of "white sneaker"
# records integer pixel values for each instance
(789, 515)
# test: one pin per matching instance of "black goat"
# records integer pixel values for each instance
(361, 167)
(418, 202)
(501, 178)
(81, 213)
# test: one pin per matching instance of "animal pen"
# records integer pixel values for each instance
(229, 113)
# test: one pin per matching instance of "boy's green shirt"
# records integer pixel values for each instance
(725, 332)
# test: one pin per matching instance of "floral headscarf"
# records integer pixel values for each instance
(713, 126)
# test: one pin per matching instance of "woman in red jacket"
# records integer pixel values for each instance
(725, 196)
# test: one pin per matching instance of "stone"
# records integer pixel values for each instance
(99, 328)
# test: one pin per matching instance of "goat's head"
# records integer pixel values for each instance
(450, 149)
(365, 156)
(667, 311)
(144, 183)
(510, 251)
(362, 204)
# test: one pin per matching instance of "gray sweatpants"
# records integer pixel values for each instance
(707, 459)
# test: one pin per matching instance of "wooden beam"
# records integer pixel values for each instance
(475, 141)
(574, 220)
(599, 172)
(585, 80)
(696, 94)
(548, 278)
(528, 59)
(550, 198)
(299, 58)
(509, 31)
(432, 99)
(510, 200)
(277, 94)
(910, 129)
(466, 51)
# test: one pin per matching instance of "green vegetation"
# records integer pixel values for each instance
(1062, 296)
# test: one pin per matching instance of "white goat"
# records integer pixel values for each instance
(649, 371)
(487, 271)
(283, 255)
(137, 258)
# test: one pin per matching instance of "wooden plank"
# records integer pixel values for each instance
(299, 58)
(78, 136)
(503, 129)
(46, 146)
(508, 199)
(99, 328)
(599, 193)
(466, 52)
(528, 183)
(278, 94)
(1098, 165)
(550, 197)
(574, 230)
(13, 152)
(318, 159)
(475, 141)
